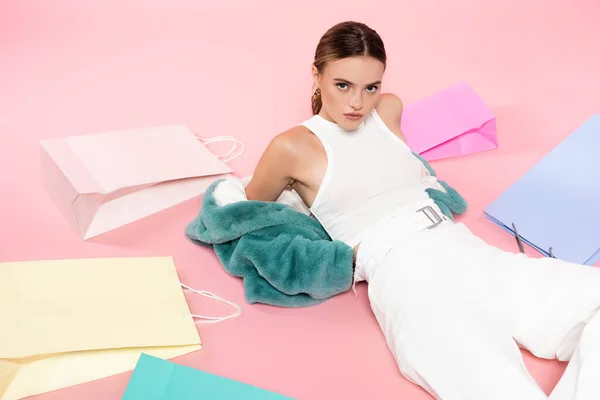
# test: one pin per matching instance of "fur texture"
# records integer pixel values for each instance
(284, 257)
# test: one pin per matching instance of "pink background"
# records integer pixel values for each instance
(228, 68)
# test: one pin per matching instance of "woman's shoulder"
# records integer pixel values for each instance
(296, 133)
(390, 109)
(294, 140)
(390, 105)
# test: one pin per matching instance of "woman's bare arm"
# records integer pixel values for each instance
(274, 171)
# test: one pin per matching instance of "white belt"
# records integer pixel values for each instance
(380, 237)
(424, 216)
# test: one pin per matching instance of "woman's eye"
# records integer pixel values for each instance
(342, 85)
(371, 89)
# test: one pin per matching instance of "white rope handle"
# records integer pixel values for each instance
(236, 142)
(211, 320)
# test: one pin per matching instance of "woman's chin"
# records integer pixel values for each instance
(349, 124)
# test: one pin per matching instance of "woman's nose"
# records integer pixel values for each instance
(356, 102)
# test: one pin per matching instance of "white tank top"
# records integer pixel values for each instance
(370, 171)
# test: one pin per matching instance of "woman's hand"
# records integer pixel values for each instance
(354, 256)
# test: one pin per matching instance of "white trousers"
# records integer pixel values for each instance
(455, 310)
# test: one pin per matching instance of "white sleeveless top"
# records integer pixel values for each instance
(370, 171)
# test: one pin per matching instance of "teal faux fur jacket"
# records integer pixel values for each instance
(284, 257)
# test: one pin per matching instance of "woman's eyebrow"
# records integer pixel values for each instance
(350, 83)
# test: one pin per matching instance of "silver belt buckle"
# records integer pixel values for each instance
(433, 216)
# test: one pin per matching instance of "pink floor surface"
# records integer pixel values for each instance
(228, 67)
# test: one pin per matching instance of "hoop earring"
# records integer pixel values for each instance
(317, 94)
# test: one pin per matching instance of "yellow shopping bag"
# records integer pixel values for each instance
(66, 322)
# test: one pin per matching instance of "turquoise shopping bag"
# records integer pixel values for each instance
(158, 379)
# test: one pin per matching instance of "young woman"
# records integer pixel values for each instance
(454, 309)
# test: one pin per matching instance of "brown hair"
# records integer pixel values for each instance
(346, 39)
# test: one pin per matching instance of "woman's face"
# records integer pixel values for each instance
(350, 89)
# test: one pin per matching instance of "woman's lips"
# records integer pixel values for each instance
(353, 116)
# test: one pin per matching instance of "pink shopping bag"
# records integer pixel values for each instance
(450, 123)
(103, 181)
